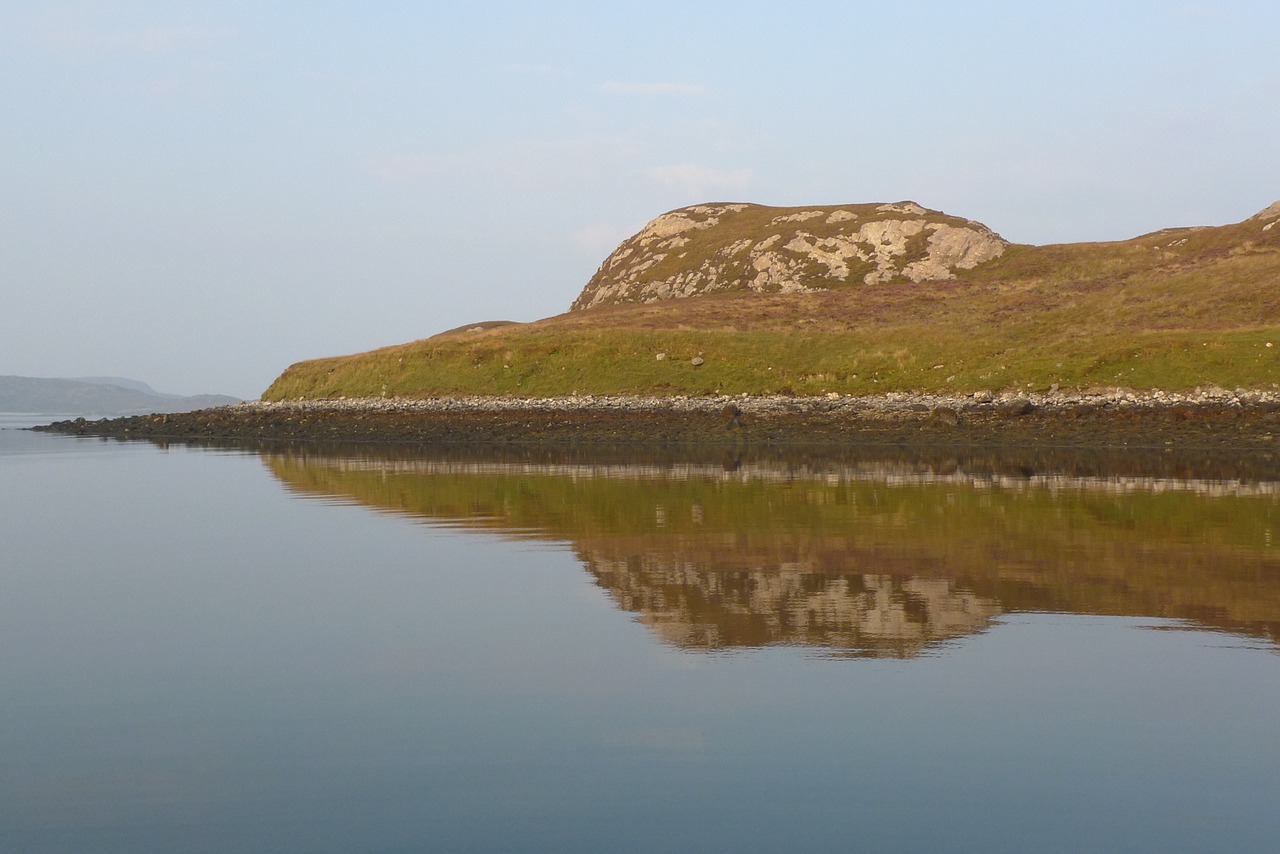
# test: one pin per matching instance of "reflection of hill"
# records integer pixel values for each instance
(695, 607)
(865, 559)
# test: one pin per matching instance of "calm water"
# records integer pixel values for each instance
(294, 650)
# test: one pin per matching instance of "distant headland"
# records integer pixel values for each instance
(102, 396)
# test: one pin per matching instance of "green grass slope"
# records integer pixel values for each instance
(1174, 309)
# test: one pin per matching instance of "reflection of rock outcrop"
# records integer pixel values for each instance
(860, 560)
(696, 607)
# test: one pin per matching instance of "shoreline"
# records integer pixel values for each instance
(1208, 419)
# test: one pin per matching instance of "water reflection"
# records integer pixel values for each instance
(861, 558)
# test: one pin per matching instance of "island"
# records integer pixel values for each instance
(887, 322)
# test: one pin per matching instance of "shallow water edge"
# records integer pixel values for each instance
(1240, 421)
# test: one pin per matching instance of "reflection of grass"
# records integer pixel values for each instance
(1175, 554)
(1148, 312)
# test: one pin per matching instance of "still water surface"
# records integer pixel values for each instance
(302, 650)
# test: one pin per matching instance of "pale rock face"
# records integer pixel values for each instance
(952, 248)
(903, 207)
(888, 240)
(773, 273)
(797, 217)
(669, 225)
(787, 253)
(1271, 212)
(678, 222)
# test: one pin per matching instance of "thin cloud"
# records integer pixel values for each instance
(659, 90)
(693, 180)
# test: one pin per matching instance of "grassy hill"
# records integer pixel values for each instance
(1173, 309)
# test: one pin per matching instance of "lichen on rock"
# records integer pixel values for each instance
(787, 250)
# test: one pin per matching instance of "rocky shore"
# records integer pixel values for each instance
(1209, 419)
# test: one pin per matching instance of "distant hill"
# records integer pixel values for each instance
(102, 396)
(863, 299)
(123, 382)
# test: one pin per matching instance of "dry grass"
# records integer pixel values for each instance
(1172, 310)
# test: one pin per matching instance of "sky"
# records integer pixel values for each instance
(199, 194)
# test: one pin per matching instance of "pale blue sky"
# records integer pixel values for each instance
(198, 194)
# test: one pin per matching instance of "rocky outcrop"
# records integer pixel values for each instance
(723, 247)
(1268, 215)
